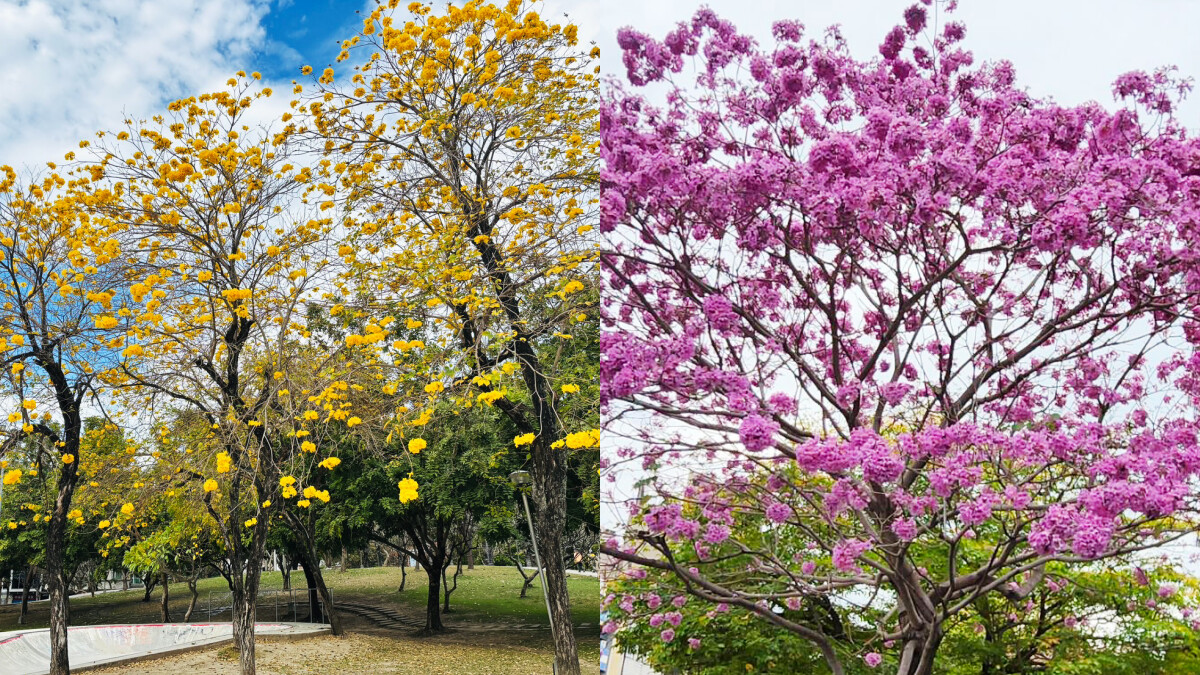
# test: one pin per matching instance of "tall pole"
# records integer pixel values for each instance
(8, 591)
(541, 575)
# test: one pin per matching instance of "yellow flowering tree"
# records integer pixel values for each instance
(57, 283)
(224, 255)
(465, 147)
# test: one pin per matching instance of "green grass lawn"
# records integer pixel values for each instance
(485, 594)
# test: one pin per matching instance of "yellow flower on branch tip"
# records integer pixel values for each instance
(286, 481)
(308, 446)
(14, 417)
(13, 477)
(17, 368)
(583, 439)
(251, 523)
(127, 509)
(106, 322)
(210, 485)
(68, 458)
(570, 389)
(29, 404)
(224, 462)
(416, 445)
(524, 439)
(288, 492)
(75, 513)
(330, 463)
(353, 422)
(266, 504)
(303, 503)
(408, 490)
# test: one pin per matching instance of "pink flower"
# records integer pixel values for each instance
(758, 432)
(667, 635)
(872, 659)
(846, 552)
(778, 512)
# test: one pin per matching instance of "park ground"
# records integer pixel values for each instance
(491, 630)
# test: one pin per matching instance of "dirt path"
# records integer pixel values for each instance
(378, 653)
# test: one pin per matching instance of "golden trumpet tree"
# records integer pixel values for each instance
(224, 255)
(465, 147)
(57, 284)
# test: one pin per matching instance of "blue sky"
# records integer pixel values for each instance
(303, 32)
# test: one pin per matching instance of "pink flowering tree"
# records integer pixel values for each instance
(935, 334)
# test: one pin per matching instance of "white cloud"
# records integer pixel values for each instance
(72, 67)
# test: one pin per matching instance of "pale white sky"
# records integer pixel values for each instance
(1070, 49)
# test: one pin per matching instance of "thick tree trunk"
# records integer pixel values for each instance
(345, 560)
(919, 653)
(330, 613)
(433, 604)
(471, 558)
(550, 497)
(403, 572)
(243, 628)
(166, 599)
(310, 579)
(317, 590)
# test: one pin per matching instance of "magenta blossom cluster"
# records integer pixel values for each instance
(953, 311)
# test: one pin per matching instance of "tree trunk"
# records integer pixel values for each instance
(60, 610)
(149, 585)
(191, 584)
(528, 579)
(345, 560)
(447, 588)
(25, 596)
(470, 558)
(166, 599)
(330, 613)
(124, 580)
(285, 571)
(310, 578)
(403, 572)
(919, 653)
(243, 628)
(433, 604)
(550, 515)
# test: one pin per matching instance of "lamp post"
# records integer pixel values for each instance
(520, 478)
(8, 591)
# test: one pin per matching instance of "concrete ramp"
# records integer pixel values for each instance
(28, 652)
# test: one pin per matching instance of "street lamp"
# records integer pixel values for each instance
(519, 478)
